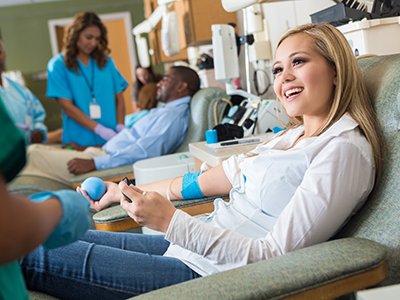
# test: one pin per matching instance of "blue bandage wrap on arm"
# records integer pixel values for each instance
(190, 186)
(75, 220)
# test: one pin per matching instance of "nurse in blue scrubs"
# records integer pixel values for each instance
(85, 82)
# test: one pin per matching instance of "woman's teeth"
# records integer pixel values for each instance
(293, 91)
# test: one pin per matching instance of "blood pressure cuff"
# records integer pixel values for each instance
(228, 132)
(12, 141)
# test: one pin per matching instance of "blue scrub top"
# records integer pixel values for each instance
(65, 83)
(24, 108)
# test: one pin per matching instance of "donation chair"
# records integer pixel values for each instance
(206, 111)
(365, 253)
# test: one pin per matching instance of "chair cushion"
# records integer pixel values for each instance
(284, 276)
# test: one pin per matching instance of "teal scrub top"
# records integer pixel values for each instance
(12, 159)
(77, 87)
(24, 108)
(133, 118)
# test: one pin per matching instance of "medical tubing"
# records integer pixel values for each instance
(190, 186)
(255, 81)
(216, 121)
(169, 187)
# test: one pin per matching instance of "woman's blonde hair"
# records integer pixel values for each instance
(81, 22)
(350, 94)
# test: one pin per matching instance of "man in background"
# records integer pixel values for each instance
(160, 132)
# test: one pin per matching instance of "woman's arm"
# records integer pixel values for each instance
(153, 210)
(24, 224)
(120, 107)
(212, 183)
(76, 114)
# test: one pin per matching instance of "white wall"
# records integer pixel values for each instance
(284, 15)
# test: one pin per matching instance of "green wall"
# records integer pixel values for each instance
(25, 33)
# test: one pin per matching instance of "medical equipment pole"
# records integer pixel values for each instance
(246, 52)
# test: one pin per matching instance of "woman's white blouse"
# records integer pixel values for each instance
(281, 200)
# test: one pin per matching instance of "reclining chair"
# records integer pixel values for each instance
(366, 252)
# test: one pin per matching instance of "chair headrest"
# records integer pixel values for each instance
(202, 114)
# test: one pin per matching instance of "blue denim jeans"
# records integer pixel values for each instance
(104, 265)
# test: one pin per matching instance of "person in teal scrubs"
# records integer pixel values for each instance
(85, 82)
(22, 106)
(45, 218)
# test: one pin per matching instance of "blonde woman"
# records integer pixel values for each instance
(86, 84)
(293, 192)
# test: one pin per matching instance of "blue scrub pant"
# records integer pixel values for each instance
(104, 265)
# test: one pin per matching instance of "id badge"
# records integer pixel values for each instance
(28, 121)
(95, 111)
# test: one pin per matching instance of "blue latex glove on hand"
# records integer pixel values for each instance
(104, 132)
(75, 219)
(119, 127)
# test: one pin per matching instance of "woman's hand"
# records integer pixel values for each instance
(113, 195)
(151, 209)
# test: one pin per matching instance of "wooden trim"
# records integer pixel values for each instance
(116, 178)
(344, 286)
(199, 209)
(118, 226)
(130, 224)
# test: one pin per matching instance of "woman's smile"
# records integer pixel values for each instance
(292, 93)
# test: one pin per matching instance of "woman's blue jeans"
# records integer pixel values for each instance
(104, 265)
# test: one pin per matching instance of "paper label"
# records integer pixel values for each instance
(95, 111)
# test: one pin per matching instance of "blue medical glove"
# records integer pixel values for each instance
(75, 219)
(119, 127)
(104, 132)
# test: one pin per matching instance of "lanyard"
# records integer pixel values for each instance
(90, 86)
